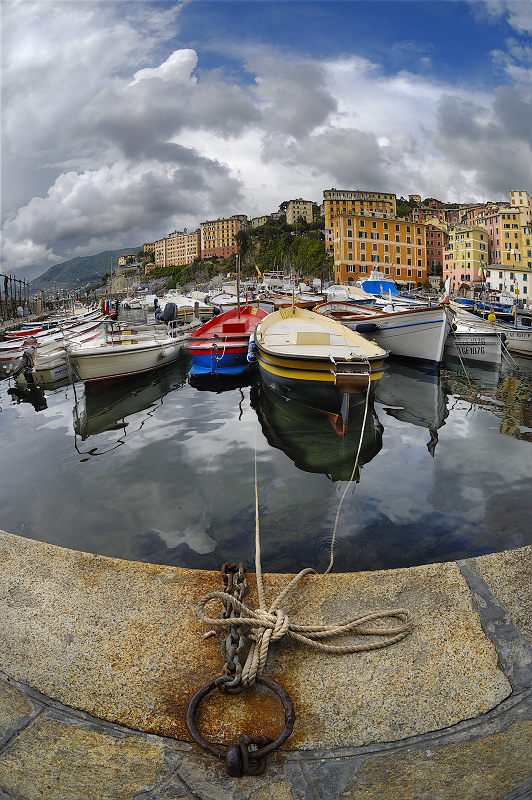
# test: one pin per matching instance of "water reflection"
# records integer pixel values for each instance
(109, 409)
(219, 382)
(414, 395)
(34, 395)
(505, 391)
(310, 440)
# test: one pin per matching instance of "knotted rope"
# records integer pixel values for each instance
(267, 626)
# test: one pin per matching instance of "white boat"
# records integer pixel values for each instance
(176, 306)
(516, 338)
(122, 354)
(418, 334)
(474, 342)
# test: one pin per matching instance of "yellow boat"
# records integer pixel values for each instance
(315, 360)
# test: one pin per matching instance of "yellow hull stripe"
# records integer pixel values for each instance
(301, 372)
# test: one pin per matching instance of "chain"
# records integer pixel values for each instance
(235, 585)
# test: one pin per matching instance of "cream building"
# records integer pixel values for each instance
(299, 208)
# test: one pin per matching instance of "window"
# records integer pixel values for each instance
(363, 270)
(409, 250)
(362, 245)
(362, 256)
(373, 225)
(398, 260)
(397, 249)
(385, 226)
(374, 235)
(397, 227)
(362, 223)
(409, 262)
(350, 256)
(375, 247)
(374, 258)
(349, 233)
(419, 273)
(349, 222)
(350, 245)
(398, 271)
(397, 239)
(385, 237)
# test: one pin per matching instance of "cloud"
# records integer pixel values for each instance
(517, 13)
(114, 135)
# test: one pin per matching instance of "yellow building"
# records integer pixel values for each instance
(177, 248)
(127, 257)
(299, 208)
(371, 241)
(218, 236)
(466, 255)
(337, 201)
(149, 247)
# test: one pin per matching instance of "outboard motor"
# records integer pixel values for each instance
(169, 312)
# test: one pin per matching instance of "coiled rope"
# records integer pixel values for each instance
(267, 626)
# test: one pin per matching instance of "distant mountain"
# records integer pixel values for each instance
(78, 272)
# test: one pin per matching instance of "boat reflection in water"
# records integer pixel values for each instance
(504, 391)
(310, 438)
(108, 410)
(414, 395)
(219, 382)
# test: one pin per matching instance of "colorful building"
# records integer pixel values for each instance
(218, 236)
(375, 241)
(337, 201)
(126, 259)
(297, 209)
(436, 238)
(179, 247)
(466, 255)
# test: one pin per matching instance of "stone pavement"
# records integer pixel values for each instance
(445, 714)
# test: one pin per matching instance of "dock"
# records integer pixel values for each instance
(99, 658)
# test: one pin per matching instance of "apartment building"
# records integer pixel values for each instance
(178, 248)
(256, 222)
(299, 208)
(126, 258)
(218, 236)
(149, 247)
(436, 239)
(338, 201)
(504, 279)
(371, 240)
(466, 255)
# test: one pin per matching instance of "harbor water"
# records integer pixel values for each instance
(162, 470)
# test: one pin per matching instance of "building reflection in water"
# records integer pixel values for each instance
(504, 391)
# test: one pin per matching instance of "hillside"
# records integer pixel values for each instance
(79, 271)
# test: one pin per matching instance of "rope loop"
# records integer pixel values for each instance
(269, 626)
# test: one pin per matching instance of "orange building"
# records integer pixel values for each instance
(339, 201)
(371, 241)
(218, 236)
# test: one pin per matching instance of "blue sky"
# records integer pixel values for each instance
(124, 121)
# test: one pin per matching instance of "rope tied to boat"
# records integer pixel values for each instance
(261, 627)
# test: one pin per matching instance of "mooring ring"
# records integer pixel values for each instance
(220, 750)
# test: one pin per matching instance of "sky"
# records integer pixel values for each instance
(122, 122)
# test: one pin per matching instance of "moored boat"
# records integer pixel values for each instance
(123, 354)
(316, 360)
(417, 333)
(221, 345)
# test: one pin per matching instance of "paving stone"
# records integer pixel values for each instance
(486, 769)
(55, 761)
(14, 708)
(509, 577)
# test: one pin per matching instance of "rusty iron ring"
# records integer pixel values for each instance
(220, 751)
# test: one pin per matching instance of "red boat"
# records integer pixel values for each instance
(221, 345)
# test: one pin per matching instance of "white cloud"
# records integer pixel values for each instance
(112, 137)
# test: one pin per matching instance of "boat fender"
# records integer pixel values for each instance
(216, 311)
(366, 327)
(251, 356)
(168, 351)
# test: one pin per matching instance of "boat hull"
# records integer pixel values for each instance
(316, 361)
(417, 335)
(475, 346)
(114, 364)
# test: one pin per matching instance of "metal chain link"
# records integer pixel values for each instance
(234, 584)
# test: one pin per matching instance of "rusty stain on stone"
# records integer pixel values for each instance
(135, 655)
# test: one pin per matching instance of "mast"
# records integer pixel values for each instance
(238, 284)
